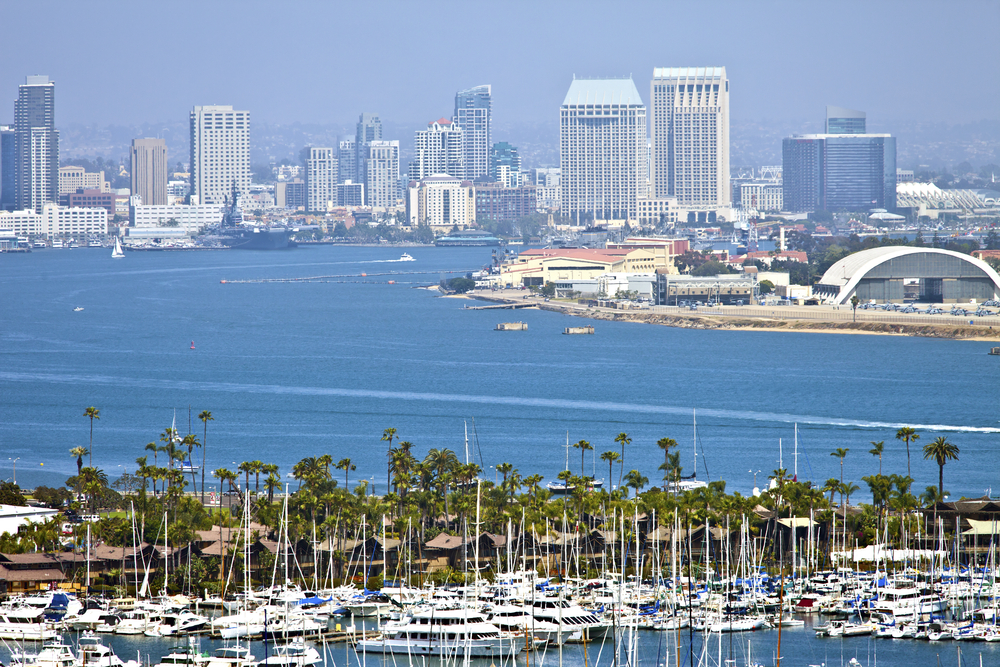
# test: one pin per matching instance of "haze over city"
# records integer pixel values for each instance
(313, 62)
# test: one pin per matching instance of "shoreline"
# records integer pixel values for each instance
(720, 322)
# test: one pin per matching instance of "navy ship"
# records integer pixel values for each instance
(233, 233)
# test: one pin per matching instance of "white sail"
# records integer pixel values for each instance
(117, 252)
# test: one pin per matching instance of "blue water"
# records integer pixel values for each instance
(300, 369)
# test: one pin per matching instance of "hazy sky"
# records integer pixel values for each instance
(133, 62)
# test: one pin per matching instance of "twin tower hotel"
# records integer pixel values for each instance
(611, 169)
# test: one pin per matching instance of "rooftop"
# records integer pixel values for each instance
(602, 91)
(689, 72)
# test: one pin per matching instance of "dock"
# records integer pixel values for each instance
(512, 326)
(503, 306)
(578, 330)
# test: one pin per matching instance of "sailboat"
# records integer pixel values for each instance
(117, 253)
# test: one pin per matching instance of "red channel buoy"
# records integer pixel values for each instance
(192, 345)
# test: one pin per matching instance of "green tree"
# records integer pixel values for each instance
(347, 467)
(854, 305)
(841, 454)
(548, 290)
(610, 457)
(766, 286)
(387, 436)
(876, 450)
(205, 416)
(941, 451)
(622, 439)
(79, 453)
(93, 413)
(666, 444)
(635, 480)
(583, 446)
(907, 435)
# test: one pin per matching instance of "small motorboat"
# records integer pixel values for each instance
(78, 309)
(405, 257)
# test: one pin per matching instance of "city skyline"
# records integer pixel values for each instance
(848, 62)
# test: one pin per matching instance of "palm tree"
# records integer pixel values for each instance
(347, 467)
(622, 439)
(205, 416)
(635, 479)
(848, 489)
(841, 453)
(876, 450)
(93, 413)
(79, 453)
(387, 436)
(666, 444)
(93, 482)
(272, 483)
(153, 447)
(941, 451)
(246, 467)
(908, 435)
(610, 457)
(583, 446)
(191, 441)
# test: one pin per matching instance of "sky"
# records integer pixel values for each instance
(325, 62)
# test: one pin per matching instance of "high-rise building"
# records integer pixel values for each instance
(844, 121)
(7, 162)
(149, 171)
(442, 202)
(505, 164)
(838, 172)
(382, 186)
(220, 153)
(321, 179)
(36, 144)
(690, 133)
(74, 177)
(473, 111)
(369, 129)
(602, 149)
(438, 150)
(347, 160)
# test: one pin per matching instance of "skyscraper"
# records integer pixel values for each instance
(505, 164)
(844, 121)
(36, 145)
(438, 150)
(220, 153)
(473, 111)
(690, 128)
(602, 148)
(347, 160)
(369, 129)
(382, 186)
(321, 179)
(149, 171)
(838, 172)
(7, 162)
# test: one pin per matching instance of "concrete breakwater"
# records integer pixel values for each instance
(807, 319)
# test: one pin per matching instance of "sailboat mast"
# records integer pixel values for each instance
(694, 418)
(567, 450)
(466, 443)
(796, 451)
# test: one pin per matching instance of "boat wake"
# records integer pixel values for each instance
(519, 401)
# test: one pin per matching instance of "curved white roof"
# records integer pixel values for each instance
(602, 91)
(847, 272)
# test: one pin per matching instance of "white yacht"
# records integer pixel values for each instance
(518, 620)
(136, 622)
(235, 656)
(184, 656)
(444, 633)
(53, 654)
(295, 653)
(176, 623)
(25, 623)
(904, 601)
(584, 625)
(405, 257)
(93, 653)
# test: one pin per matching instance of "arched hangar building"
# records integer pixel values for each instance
(897, 274)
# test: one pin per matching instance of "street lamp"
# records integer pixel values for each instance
(14, 464)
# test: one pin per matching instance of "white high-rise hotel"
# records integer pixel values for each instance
(220, 153)
(321, 179)
(690, 134)
(602, 149)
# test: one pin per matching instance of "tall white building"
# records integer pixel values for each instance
(382, 185)
(442, 202)
(690, 132)
(438, 150)
(36, 144)
(602, 149)
(220, 153)
(321, 179)
(473, 113)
